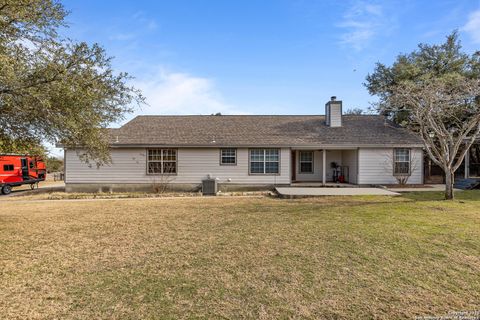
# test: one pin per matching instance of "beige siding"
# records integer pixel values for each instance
(194, 164)
(128, 165)
(317, 168)
(376, 166)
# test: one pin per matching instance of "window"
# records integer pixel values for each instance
(162, 161)
(401, 162)
(264, 161)
(8, 167)
(306, 161)
(31, 165)
(228, 156)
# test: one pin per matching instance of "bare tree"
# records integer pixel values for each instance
(403, 176)
(354, 111)
(445, 114)
(162, 181)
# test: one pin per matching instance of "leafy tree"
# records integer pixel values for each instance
(54, 89)
(25, 147)
(434, 92)
(428, 62)
(54, 164)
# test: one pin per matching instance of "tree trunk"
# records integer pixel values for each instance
(449, 177)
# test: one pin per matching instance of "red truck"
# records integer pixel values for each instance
(17, 169)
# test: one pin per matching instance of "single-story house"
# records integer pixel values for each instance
(252, 151)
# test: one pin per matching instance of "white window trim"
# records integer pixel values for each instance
(221, 157)
(300, 162)
(161, 161)
(409, 162)
(264, 162)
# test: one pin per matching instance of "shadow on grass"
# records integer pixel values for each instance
(470, 195)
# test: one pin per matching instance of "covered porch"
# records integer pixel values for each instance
(469, 169)
(324, 167)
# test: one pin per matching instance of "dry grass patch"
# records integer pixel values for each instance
(124, 195)
(48, 183)
(334, 258)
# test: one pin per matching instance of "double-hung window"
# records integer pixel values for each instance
(401, 161)
(306, 161)
(264, 161)
(162, 161)
(228, 156)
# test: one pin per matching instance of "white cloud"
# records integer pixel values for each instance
(26, 43)
(473, 26)
(143, 19)
(181, 93)
(122, 36)
(152, 25)
(373, 9)
(139, 25)
(361, 22)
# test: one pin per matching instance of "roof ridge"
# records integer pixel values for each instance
(251, 115)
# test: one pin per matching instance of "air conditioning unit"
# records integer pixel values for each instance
(209, 187)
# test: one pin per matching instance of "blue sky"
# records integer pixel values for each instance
(262, 57)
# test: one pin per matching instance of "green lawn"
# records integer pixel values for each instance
(234, 257)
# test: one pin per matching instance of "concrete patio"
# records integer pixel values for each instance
(308, 184)
(426, 188)
(301, 192)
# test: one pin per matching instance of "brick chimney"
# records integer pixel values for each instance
(333, 112)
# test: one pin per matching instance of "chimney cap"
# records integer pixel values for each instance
(333, 98)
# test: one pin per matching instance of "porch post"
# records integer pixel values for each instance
(324, 167)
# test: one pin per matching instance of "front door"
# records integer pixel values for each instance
(24, 164)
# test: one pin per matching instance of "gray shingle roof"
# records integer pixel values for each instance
(256, 130)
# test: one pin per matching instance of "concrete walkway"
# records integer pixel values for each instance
(298, 192)
(426, 188)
